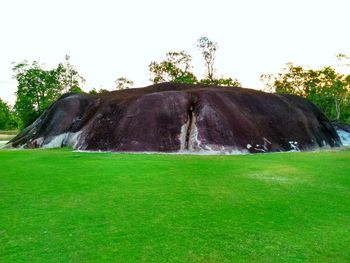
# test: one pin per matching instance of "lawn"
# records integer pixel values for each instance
(64, 206)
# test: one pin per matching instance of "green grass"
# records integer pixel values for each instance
(63, 206)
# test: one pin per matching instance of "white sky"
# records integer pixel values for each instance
(107, 39)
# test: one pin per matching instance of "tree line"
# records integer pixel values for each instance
(326, 88)
(38, 88)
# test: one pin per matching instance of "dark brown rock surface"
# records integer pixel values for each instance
(176, 117)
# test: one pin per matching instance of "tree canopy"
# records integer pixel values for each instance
(94, 91)
(325, 87)
(123, 83)
(38, 88)
(177, 67)
(8, 119)
(4, 115)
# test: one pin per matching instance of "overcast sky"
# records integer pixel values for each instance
(107, 39)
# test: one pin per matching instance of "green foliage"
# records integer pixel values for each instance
(64, 206)
(8, 117)
(93, 91)
(329, 90)
(175, 68)
(4, 115)
(76, 89)
(39, 88)
(100, 91)
(231, 82)
(123, 83)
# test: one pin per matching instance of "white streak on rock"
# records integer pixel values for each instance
(61, 140)
(294, 146)
(183, 136)
(194, 143)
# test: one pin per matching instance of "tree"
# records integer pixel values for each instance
(4, 115)
(225, 82)
(175, 68)
(208, 49)
(123, 83)
(329, 90)
(8, 119)
(291, 80)
(100, 91)
(37, 89)
(70, 79)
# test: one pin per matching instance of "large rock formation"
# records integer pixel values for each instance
(176, 117)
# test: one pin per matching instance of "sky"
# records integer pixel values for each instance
(108, 39)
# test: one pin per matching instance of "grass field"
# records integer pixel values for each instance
(63, 206)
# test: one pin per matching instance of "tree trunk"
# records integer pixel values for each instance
(337, 109)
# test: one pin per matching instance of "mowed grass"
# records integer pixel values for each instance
(63, 206)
